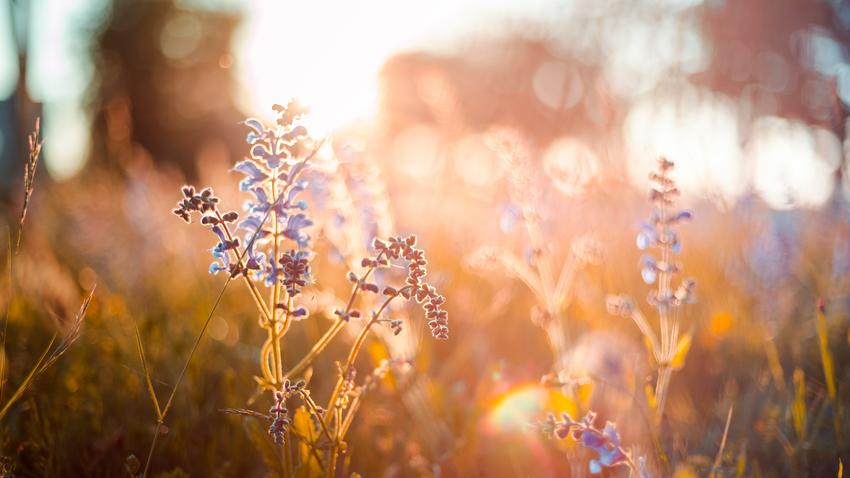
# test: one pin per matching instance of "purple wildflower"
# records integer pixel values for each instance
(296, 271)
(280, 417)
(605, 443)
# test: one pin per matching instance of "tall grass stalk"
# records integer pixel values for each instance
(667, 347)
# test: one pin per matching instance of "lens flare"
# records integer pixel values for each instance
(517, 408)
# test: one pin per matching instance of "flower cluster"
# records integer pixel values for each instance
(205, 204)
(415, 286)
(296, 271)
(272, 175)
(201, 202)
(660, 233)
(279, 413)
(280, 418)
(270, 245)
(348, 375)
(605, 443)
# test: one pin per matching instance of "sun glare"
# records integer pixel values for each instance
(331, 61)
(330, 53)
(517, 408)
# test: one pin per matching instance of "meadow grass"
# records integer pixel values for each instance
(314, 365)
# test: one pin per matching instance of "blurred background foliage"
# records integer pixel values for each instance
(748, 97)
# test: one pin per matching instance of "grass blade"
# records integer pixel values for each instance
(828, 366)
(30, 378)
(719, 456)
(145, 369)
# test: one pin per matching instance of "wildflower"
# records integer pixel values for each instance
(346, 316)
(280, 417)
(659, 233)
(347, 375)
(278, 411)
(296, 271)
(270, 244)
(254, 174)
(415, 287)
(205, 204)
(395, 326)
(272, 177)
(605, 443)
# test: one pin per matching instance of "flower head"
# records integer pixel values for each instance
(416, 288)
(605, 443)
(296, 271)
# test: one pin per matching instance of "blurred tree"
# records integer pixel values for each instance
(765, 54)
(17, 111)
(163, 84)
(759, 53)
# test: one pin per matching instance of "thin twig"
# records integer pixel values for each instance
(722, 443)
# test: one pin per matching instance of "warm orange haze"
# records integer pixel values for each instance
(469, 238)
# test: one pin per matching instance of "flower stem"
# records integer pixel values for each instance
(352, 356)
(334, 330)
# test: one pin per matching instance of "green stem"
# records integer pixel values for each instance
(352, 356)
(275, 295)
(311, 404)
(358, 344)
(334, 330)
(317, 349)
(252, 287)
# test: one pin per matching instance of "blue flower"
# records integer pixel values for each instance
(680, 217)
(607, 445)
(223, 243)
(649, 269)
(272, 158)
(294, 191)
(676, 246)
(262, 204)
(255, 258)
(646, 237)
(222, 264)
(294, 225)
(254, 174)
(258, 132)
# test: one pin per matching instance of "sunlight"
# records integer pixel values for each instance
(794, 164)
(522, 405)
(571, 165)
(496, 238)
(331, 53)
(474, 162)
(334, 74)
(696, 129)
(517, 408)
